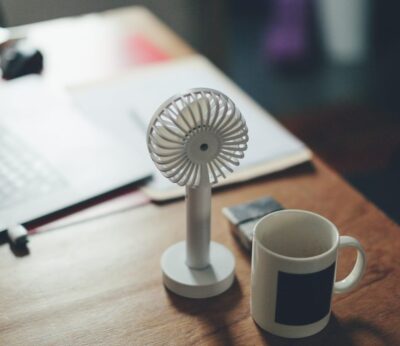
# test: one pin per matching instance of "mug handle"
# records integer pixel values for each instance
(351, 280)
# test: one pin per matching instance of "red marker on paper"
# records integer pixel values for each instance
(141, 50)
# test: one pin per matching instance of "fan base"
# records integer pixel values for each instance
(198, 283)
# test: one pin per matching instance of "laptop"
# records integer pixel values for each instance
(52, 157)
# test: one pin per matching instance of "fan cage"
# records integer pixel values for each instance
(196, 132)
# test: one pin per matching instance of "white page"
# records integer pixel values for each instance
(134, 97)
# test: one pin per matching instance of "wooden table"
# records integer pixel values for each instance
(99, 282)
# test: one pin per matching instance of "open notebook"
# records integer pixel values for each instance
(129, 101)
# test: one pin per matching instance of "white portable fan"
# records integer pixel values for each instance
(194, 139)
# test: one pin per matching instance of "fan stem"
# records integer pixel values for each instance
(198, 212)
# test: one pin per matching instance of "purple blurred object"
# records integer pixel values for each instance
(286, 40)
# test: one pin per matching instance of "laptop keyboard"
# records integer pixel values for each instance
(23, 173)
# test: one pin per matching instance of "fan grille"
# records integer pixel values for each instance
(199, 131)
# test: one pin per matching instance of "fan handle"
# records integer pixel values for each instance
(198, 212)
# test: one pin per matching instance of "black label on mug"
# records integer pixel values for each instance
(304, 298)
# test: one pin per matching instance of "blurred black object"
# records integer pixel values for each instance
(19, 58)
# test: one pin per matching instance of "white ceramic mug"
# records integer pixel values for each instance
(293, 272)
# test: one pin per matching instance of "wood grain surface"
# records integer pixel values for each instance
(99, 282)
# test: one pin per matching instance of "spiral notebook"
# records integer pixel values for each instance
(128, 102)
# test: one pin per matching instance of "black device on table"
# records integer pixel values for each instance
(19, 58)
(243, 217)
